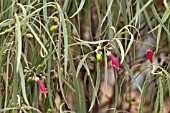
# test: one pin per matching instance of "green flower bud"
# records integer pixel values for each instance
(30, 36)
(93, 59)
(161, 73)
(99, 57)
(22, 102)
(39, 66)
(49, 110)
(56, 76)
(23, 23)
(6, 30)
(56, 20)
(43, 78)
(110, 48)
(12, 104)
(28, 108)
(53, 28)
(62, 69)
(29, 79)
(26, 70)
(12, 111)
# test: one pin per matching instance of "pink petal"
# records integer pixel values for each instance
(150, 55)
(114, 62)
(41, 86)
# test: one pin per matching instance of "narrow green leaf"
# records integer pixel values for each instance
(116, 91)
(65, 37)
(105, 72)
(156, 105)
(19, 41)
(23, 86)
(158, 18)
(92, 42)
(164, 18)
(7, 22)
(132, 76)
(81, 64)
(79, 9)
(68, 84)
(141, 10)
(77, 95)
(96, 87)
(25, 16)
(108, 10)
(121, 49)
(130, 44)
(142, 98)
(158, 38)
(38, 40)
(48, 79)
(161, 94)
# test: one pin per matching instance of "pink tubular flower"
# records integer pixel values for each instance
(150, 55)
(41, 86)
(114, 61)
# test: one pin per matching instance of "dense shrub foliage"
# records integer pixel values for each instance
(79, 56)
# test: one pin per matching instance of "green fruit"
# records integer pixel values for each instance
(53, 28)
(61, 68)
(161, 73)
(56, 76)
(28, 108)
(12, 111)
(30, 36)
(23, 23)
(6, 30)
(39, 66)
(49, 110)
(56, 20)
(12, 104)
(29, 79)
(99, 57)
(22, 102)
(93, 59)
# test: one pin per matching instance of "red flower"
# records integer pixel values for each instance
(41, 86)
(150, 55)
(114, 61)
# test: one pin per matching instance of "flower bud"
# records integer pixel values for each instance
(26, 70)
(41, 86)
(62, 69)
(56, 20)
(23, 23)
(99, 57)
(49, 110)
(6, 30)
(93, 59)
(29, 79)
(28, 108)
(53, 28)
(150, 55)
(160, 73)
(56, 76)
(115, 62)
(12, 111)
(22, 102)
(30, 36)
(12, 104)
(39, 66)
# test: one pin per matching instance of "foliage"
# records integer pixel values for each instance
(62, 45)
